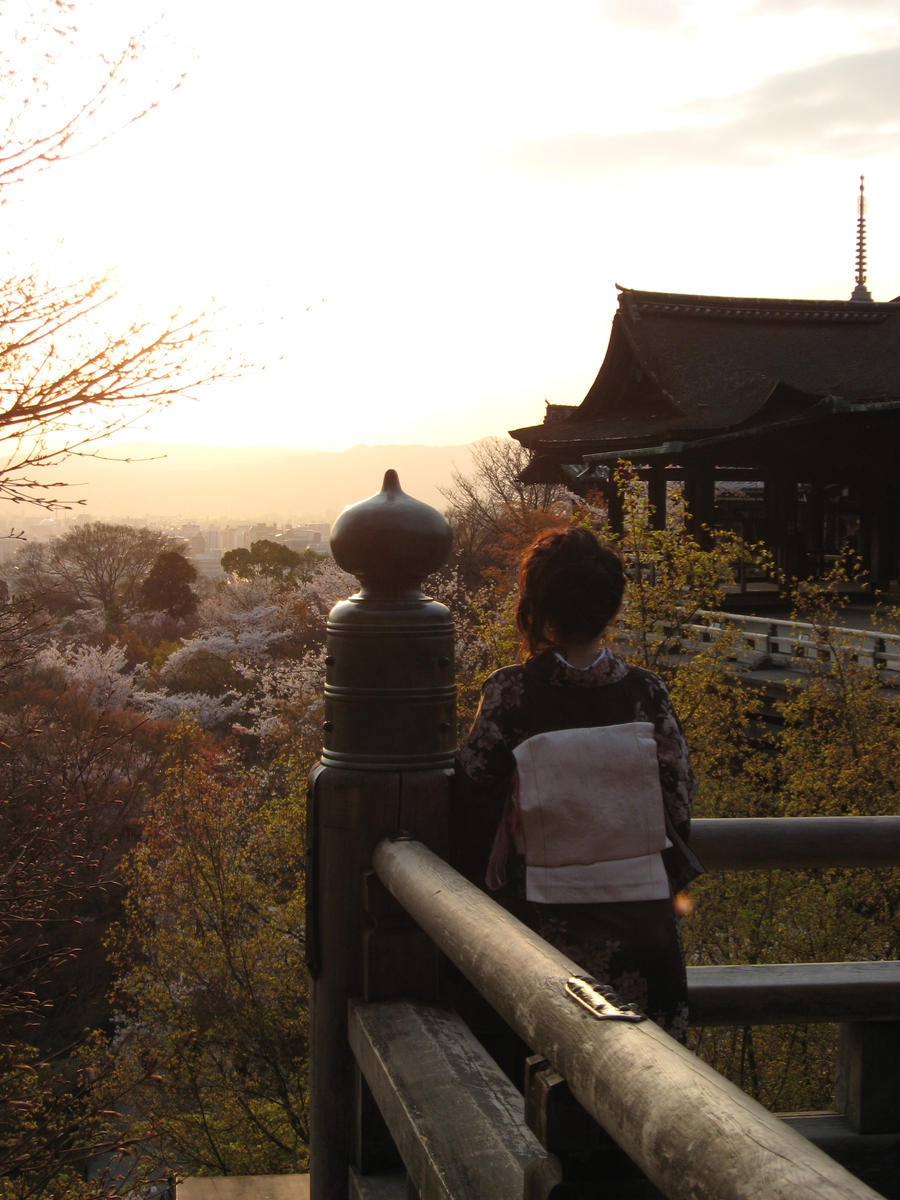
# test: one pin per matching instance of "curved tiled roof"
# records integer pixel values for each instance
(683, 366)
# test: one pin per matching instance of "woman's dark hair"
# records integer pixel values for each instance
(571, 582)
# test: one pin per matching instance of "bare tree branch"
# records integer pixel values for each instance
(492, 502)
(73, 370)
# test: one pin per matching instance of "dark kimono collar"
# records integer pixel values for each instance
(548, 667)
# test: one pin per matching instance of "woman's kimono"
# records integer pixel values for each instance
(634, 946)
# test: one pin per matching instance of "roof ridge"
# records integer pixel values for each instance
(634, 297)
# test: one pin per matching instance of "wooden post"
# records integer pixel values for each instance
(815, 533)
(868, 1086)
(614, 513)
(780, 528)
(656, 497)
(385, 769)
(700, 498)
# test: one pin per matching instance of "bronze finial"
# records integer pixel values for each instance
(861, 292)
(389, 688)
(390, 541)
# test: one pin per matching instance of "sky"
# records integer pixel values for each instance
(413, 214)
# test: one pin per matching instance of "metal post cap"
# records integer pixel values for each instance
(390, 541)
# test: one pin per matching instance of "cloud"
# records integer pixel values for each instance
(642, 14)
(853, 9)
(844, 108)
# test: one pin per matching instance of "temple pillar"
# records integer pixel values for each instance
(614, 511)
(700, 497)
(656, 497)
(780, 501)
(878, 520)
(815, 533)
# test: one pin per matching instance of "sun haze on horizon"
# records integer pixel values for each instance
(414, 216)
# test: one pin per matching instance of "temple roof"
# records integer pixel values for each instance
(683, 368)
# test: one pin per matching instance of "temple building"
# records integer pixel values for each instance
(780, 417)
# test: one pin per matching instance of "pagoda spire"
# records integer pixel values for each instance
(861, 292)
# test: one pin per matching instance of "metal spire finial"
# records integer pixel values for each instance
(861, 292)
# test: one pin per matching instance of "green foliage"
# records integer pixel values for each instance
(135, 648)
(841, 740)
(159, 654)
(486, 639)
(167, 586)
(53, 1121)
(211, 974)
(269, 560)
(204, 671)
(74, 780)
(834, 754)
(673, 574)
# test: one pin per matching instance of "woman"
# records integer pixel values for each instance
(570, 589)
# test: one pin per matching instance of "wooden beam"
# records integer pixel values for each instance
(794, 993)
(457, 1120)
(760, 843)
(694, 1134)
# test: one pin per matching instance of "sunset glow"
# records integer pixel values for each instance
(415, 214)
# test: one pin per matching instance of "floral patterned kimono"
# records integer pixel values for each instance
(634, 946)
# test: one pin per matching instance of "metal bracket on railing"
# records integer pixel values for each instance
(601, 1001)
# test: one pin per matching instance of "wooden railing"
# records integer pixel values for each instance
(690, 1132)
(758, 642)
(405, 1101)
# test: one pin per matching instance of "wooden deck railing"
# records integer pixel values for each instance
(759, 642)
(691, 1133)
(405, 1101)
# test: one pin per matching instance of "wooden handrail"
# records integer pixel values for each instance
(692, 1132)
(875, 640)
(761, 843)
(791, 644)
(794, 993)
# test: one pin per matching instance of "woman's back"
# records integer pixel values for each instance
(570, 589)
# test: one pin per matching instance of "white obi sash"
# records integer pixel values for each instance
(586, 812)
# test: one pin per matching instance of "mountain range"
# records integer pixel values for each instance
(143, 479)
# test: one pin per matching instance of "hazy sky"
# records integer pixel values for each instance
(416, 212)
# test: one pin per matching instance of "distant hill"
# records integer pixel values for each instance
(257, 483)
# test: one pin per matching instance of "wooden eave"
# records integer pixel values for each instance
(831, 421)
(735, 365)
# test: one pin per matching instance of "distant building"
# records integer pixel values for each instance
(800, 398)
(301, 538)
(260, 532)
